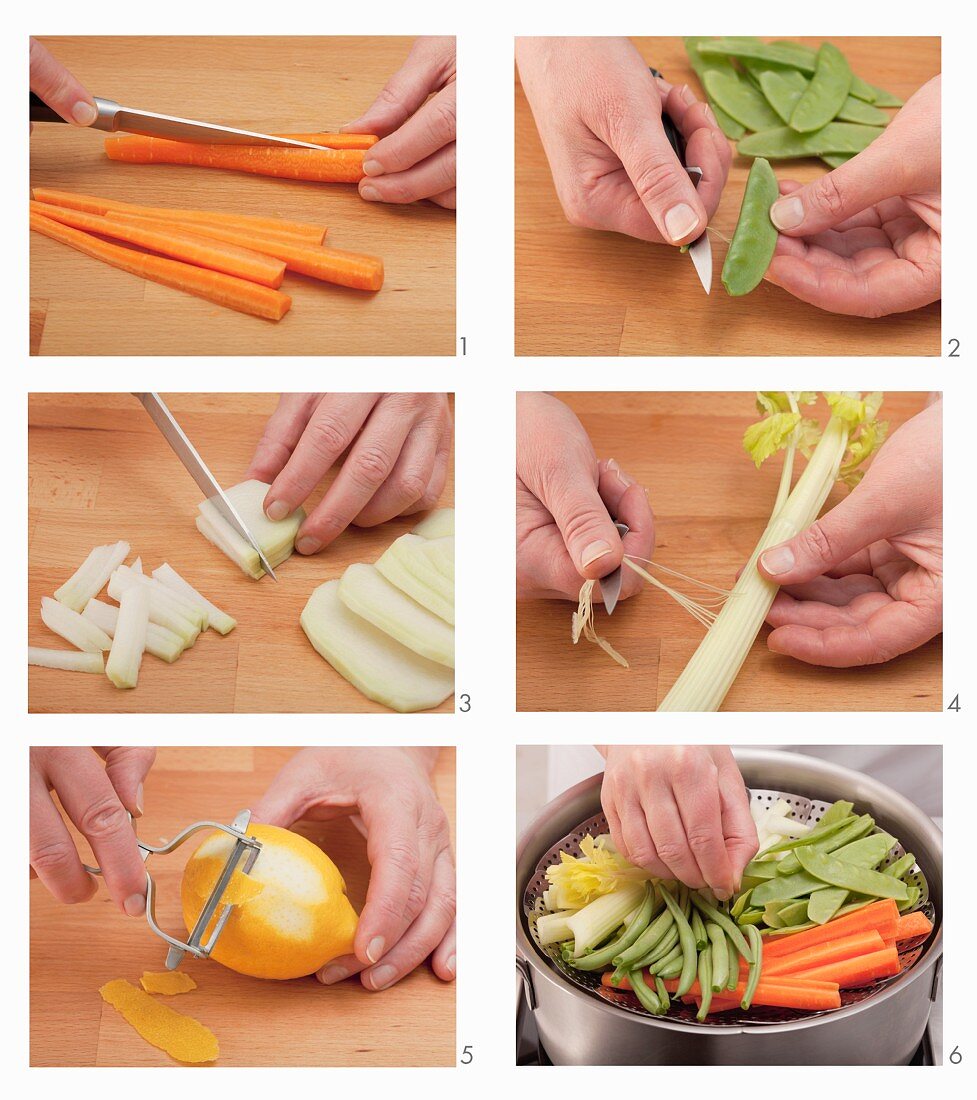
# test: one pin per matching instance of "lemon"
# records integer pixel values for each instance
(291, 915)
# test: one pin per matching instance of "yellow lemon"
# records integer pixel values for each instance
(291, 914)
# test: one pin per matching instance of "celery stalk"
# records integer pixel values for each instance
(553, 928)
(596, 921)
(73, 628)
(160, 642)
(67, 660)
(167, 576)
(129, 643)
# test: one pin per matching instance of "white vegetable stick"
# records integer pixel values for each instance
(160, 609)
(553, 927)
(373, 662)
(160, 642)
(65, 659)
(129, 643)
(91, 576)
(177, 603)
(136, 566)
(275, 537)
(73, 628)
(168, 577)
(437, 525)
(404, 566)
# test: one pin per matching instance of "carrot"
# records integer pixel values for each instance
(912, 925)
(880, 915)
(225, 290)
(331, 265)
(792, 981)
(202, 251)
(317, 166)
(848, 947)
(335, 141)
(782, 996)
(624, 984)
(92, 204)
(857, 971)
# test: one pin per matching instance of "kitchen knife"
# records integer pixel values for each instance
(610, 586)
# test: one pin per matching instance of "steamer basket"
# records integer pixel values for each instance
(582, 1024)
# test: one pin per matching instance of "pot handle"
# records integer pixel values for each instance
(937, 974)
(522, 966)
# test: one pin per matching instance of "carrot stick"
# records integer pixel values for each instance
(335, 141)
(791, 981)
(202, 251)
(225, 290)
(776, 996)
(92, 204)
(857, 971)
(912, 925)
(353, 269)
(848, 947)
(317, 166)
(624, 984)
(879, 915)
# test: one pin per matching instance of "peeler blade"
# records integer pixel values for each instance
(610, 586)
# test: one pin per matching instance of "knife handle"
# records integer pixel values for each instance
(672, 132)
(41, 112)
(106, 108)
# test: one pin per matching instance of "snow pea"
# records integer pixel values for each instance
(710, 912)
(824, 97)
(720, 956)
(823, 904)
(912, 897)
(854, 110)
(836, 160)
(820, 832)
(753, 978)
(597, 960)
(698, 927)
(783, 143)
(751, 916)
(837, 811)
(854, 829)
(649, 1002)
(740, 905)
(755, 236)
(900, 866)
(838, 872)
(700, 66)
(794, 913)
(760, 868)
(882, 98)
(740, 100)
(782, 89)
(686, 941)
(705, 982)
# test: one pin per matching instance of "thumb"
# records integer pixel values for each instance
(126, 769)
(591, 539)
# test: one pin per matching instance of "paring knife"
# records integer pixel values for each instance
(610, 586)
(113, 117)
(187, 454)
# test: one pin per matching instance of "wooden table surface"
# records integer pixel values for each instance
(80, 306)
(582, 292)
(100, 471)
(711, 505)
(76, 949)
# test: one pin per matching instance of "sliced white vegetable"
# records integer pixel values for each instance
(161, 610)
(553, 927)
(160, 642)
(437, 525)
(596, 921)
(136, 566)
(168, 577)
(379, 667)
(441, 554)
(65, 659)
(275, 537)
(369, 594)
(179, 604)
(406, 565)
(129, 643)
(92, 575)
(73, 628)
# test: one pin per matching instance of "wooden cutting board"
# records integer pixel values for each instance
(581, 292)
(80, 306)
(76, 949)
(100, 471)
(711, 505)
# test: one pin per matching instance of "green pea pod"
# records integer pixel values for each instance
(900, 866)
(741, 903)
(720, 956)
(837, 872)
(826, 94)
(782, 89)
(705, 983)
(853, 830)
(753, 977)
(597, 960)
(824, 904)
(883, 98)
(855, 110)
(755, 236)
(649, 1002)
(783, 143)
(710, 912)
(700, 66)
(740, 100)
(822, 831)
(912, 898)
(687, 942)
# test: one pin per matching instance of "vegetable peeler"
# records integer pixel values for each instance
(112, 117)
(610, 586)
(243, 856)
(699, 250)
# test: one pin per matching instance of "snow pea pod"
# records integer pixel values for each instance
(783, 143)
(740, 100)
(700, 66)
(782, 89)
(854, 110)
(755, 236)
(751, 916)
(852, 831)
(824, 97)
(649, 1002)
(686, 941)
(912, 897)
(820, 832)
(753, 978)
(710, 912)
(597, 960)
(838, 872)
(705, 982)
(837, 811)
(823, 904)
(900, 866)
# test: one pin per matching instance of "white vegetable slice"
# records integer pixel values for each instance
(441, 554)
(553, 927)
(369, 594)
(129, 643)
(405, 565)
(92, 575)
(66, 660)
(160, 642)
(437, 525)
(136, 566)
(275, 537)
(168, 577)
(73, 628)
(178, 604)
(379, 667)
(161, 609)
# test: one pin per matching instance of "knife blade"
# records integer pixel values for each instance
(610, 586)
(197, 468)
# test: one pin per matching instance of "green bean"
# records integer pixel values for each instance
(662, 994)
(720, 956)
(900, 866)
(686, 939)
(649, 1002)
(597, 960)
(667, 943)
(698, 927)
(740, 100)
(753, 978)
(712, 913)
(838, 872)
(705, 982)
(754, 238)
(673, 970)
(647, 941)
(783, 143)
(825, 95)
(700, 66)
(665, 963)
(734, 964)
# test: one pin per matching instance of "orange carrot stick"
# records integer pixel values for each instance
(769, 995)
(225, 290)
(912, 925)
(336, 141)
(796, 981)
(848, 947)
(202, 251)
(317, 166)
(858, 971)
(93, 204)
(879, 915)
(624, 985)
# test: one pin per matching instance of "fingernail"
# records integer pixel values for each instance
(594, 551)
(709, 116)
(371, 194)
(139, 800)
(686, 95)
(778, 560)
(450, 965)
(330, 975)
(308, 546)
(373, 168)
(84, 113)
(680, 221)
(135, 905)
(277, 510)
(787, 213)
(382, 977)
(374, 950)
(622, 476)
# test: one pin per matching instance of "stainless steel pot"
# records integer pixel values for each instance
(576, 1028)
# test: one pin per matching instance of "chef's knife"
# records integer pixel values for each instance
(187, 454)
(112, 117)
(610, 586)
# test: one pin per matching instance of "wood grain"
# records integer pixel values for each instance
(582, 292)
(272, 84)
(100, 471)
(710, 506)
(76, 949)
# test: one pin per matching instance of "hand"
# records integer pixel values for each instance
(865, 238)
(865, 582)
(58, 88)
(415, 158)
(598, 110)
(399, 447)
(565, 499)
(410, 905)
(96, 799)
(681, 812)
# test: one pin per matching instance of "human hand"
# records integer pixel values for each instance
(96, 799)
(399, 447)
(598, 111)
(415, 158)
(58, 88)
(565, 499)
(681, 812)
(865, 238)
(864, 583)
(410, 904)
